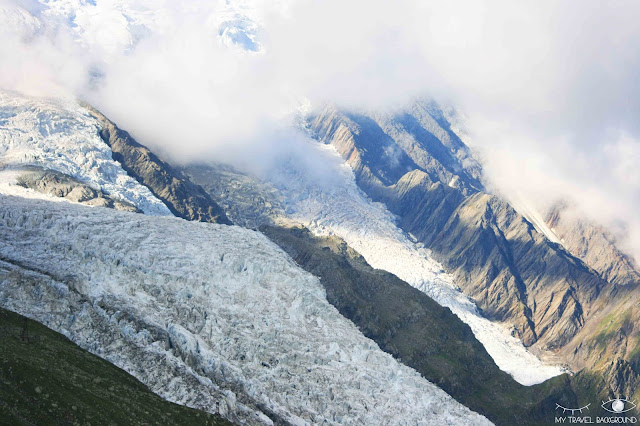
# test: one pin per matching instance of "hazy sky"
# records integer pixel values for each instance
(550, 90)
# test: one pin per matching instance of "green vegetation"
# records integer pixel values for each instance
(612, 325)
(45, 379)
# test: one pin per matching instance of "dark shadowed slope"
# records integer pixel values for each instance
(47, 379)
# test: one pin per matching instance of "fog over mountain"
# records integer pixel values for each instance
(549, 91)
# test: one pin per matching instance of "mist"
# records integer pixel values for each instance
(549, 90)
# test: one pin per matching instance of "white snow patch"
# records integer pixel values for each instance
(533, 215)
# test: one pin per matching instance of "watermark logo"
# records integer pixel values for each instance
(618, 405)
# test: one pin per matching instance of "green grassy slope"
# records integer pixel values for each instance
(45, 379)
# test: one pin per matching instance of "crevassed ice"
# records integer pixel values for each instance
(201, 312)
(63, 136)
(339, 207)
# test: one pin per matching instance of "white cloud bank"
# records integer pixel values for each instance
(551, 89)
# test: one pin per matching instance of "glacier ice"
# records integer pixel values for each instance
(212, 316)
(63, 136)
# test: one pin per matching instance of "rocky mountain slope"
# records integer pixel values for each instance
(593, 244)
(498, 258)
(564, 298)
(46, 379)
(609, 341)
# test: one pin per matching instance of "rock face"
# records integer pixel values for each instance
(592, 244)
(60, 185)
(184, 198)
(426, 175)
(381, 149)
(514, 273)
(578, 298)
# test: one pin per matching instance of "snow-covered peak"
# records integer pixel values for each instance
(16, 21)
(238, 30)
(108, 28)
(63, 136)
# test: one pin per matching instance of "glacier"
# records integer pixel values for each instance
(61, 135)
(212, 316)
(332, 204)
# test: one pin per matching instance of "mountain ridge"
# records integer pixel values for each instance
(184, 199)
(452, 218)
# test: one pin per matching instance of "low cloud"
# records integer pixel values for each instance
(550, 89)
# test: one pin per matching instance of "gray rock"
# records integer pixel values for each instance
(60, 185)
(248, 202)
